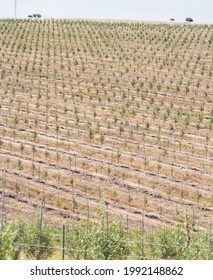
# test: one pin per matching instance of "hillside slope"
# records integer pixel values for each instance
(118, 113)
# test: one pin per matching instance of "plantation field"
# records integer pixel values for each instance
(112, 113)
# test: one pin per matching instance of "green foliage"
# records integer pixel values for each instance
(78, 240)
(108, 241)
(96, 241)
(34, 245)
(112, 241)
(7, 245)
(168, 244)
(172, 244)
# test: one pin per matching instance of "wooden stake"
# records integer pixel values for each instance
(63, 241)
(187, 227)
(127, 224)
(209, 241)
(40, 230)
(2, 199)
(142, 234)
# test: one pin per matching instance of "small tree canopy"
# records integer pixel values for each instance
(172, 19)
(189, 19)
(36, 15)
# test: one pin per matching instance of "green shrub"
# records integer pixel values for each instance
(8, 248)
(95, 241)
(168, 244)
(113, 243)
(34, 245)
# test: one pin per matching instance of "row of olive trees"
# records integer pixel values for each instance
(104, 241)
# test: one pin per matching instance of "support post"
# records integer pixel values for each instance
(40, 231)
(63, 241)
(209, 241)
(2, 199)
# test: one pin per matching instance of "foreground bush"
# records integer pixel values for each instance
(8, 248)
(102, 241)
(174, 244)
(96, 241)
(37, 243)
